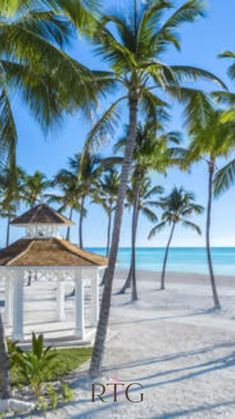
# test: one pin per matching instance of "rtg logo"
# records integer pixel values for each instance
(130, 392)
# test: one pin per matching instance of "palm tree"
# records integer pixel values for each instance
(152, 152)
(78, 183)
(34, 66)
(142, 204)
(34, 188)
(133, 46)
(88, 169)
(177, 207)
(212, 136)
(67, 181)
(106, 195)
(11, 194)
(225, 177)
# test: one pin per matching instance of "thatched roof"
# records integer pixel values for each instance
(48, 252)
(41, 214)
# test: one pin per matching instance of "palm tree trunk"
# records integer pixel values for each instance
(134, 295)
(69, 228)
(81, 223)
(108, 244)
(98, 351)
(132, 272)
(166, 257)
(208, 225)
(4, 366)
(127, 282)
(109, 232)
(8, 230)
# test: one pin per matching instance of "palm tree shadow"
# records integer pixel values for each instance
(197, 409)
(173, 356)
(216, 364)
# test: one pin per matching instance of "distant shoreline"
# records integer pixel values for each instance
(162, 247)
(181, 259)
(177, 277)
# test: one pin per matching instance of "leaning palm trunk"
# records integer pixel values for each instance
(81, 223)
(109, 232)
(98, 351)
(131, 274)
(208, 225)
(134, 295)
(132, 269)
(8, 230)
(69, 228)
(4, 367)
(166, 257)
(108, 244)
(128, 281)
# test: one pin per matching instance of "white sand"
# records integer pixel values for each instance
(171, 342)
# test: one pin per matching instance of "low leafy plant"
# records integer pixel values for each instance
(34, 365)
(67, 393)
(42, 404)
(53, 396)
(13, 352)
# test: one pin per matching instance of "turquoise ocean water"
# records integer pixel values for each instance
(181, 259)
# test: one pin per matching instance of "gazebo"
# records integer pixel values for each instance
(44, 255)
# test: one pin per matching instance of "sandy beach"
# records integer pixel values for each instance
(174, 344)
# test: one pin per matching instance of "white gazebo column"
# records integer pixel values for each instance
(18, 296)
(8, 299)
(95, 309)
(79, 306)
(60, 301)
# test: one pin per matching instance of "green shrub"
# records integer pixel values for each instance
(32, 366)
(67, 393)
(53, 396)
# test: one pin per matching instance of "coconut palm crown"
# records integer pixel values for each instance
(35, 67)
(177, 208)
(132, 43)
(211, 132)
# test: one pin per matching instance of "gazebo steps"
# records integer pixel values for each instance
(57, 334)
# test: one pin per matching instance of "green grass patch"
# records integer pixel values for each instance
(66, 361)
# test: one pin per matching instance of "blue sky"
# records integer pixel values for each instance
(201, 43)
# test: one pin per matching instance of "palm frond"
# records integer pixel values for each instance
(8, 132)
(154, 191)
(224, 178)
(229, 54)
(188, 12)
(104, 127)
(191, 225)
(150, 215)
(225, 98)
(82, 13)
(157, 229)
(185, 73)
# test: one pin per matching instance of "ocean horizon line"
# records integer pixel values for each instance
(163, 247)
(181, 258)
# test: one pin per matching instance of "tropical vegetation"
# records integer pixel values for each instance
(131, 92)
(177, 208)
(207, 125)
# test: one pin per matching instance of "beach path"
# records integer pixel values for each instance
(176, 346)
